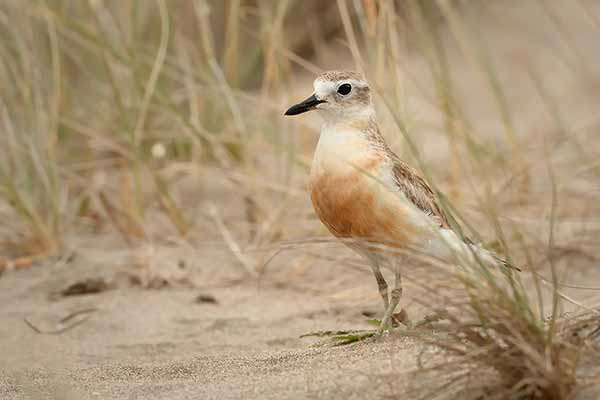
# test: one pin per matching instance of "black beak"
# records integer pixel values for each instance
(307, 105)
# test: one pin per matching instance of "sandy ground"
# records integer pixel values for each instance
(199, 338)
(164, 343)
(150, 338)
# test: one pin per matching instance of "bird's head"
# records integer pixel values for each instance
(339, 96)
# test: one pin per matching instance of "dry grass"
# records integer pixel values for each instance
(112, 110)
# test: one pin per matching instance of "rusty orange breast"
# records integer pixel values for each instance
(349, 208)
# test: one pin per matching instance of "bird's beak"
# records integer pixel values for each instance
(309, 104)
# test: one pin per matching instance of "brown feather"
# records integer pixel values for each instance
(417, 190)
(408, 180)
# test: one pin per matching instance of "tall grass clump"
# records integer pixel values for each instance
(31, 74)
(503, 338)
(106, 106)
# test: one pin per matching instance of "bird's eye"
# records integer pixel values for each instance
(344, 89)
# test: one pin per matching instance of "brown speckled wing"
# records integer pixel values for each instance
(417, 190)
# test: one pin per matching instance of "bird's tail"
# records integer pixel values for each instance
(470, 251)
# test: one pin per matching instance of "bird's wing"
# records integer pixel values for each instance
(418, 191)
(421, 195)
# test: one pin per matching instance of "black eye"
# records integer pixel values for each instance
(344, 89)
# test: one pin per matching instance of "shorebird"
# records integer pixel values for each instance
(365, 194)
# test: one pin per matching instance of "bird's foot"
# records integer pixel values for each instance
(401, 317)
(394, 321)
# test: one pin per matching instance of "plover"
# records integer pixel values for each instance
(364, 193)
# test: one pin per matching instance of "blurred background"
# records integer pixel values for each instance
(114, 114)
(143, 144)
(142, 120)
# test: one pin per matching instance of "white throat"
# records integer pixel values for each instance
(343, 141)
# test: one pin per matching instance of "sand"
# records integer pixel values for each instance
(164, 344)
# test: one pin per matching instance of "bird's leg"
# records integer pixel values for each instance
(394, 300)
(381, 284)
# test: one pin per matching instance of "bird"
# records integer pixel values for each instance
(369, 197)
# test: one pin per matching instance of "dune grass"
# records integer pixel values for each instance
(503, 342)
(106, 104)
(101, 97)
